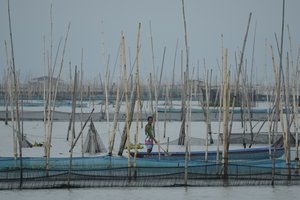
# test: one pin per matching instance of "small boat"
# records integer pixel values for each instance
(233, 154)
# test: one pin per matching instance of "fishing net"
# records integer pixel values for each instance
(106, 171)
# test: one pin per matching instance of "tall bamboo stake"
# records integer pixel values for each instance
(16, 95)
(154, 72)
(11, 102)
(12, 115)
(238, 77)
(106, 84)
(52, 110)
(225, 119)
(126, 104)
(73, 123)
(220, 106)
(81, 98)
(165, 113)
(276, 115)
(186, 82)
(82, 128)
(246, 94)
(207, 111)
(287, 114)
(117, 109)
(287, 150)
(156, 100)
(138, 99)
(6, 78)
(295, 101)
(252, 66)
(44, 95)
(173, 74)
(150, 94)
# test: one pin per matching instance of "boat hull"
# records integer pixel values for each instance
(235, 154)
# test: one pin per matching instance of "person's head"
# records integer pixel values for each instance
(150, 119)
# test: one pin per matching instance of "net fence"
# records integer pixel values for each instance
(115, 172)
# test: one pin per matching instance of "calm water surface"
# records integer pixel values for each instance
(165, 193)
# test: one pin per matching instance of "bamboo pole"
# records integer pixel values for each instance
(220, 106)
(287, 149)
(132, 106)
(252, 66)
(183, 112)
(154, 73)
(276, 115)
(73, 124)
(138, 99)
(12, 114)
(52, 110)
(156, 100)
(117, 109)
(287, 114)
(81, 98)
(225, 119)
(296, 124)
(246, 94)
(208, 125)
(173, 74)
(126, 104)
(238, 78)
(150, 94)
(186, 92)
(165, 113)
(11, 102)
(207, 112)
(7, 90)
(189, 127)
(124, 134)
(295, 101)
(82, 128)
(16, 95)
(186, 80)
(106, 85)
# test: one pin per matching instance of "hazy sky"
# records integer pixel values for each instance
(96, 26)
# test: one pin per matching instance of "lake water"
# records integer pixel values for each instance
(165, 193)
(35, 132)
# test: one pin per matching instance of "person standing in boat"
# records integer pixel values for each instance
(149, 135)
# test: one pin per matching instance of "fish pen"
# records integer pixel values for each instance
(107, 171)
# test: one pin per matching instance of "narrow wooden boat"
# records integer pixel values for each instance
(233, 154)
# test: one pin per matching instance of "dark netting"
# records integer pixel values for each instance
(114, 171)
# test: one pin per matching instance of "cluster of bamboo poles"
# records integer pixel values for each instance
(282, 84)
(282, 94)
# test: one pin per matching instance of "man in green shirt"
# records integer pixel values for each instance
(149, 135)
